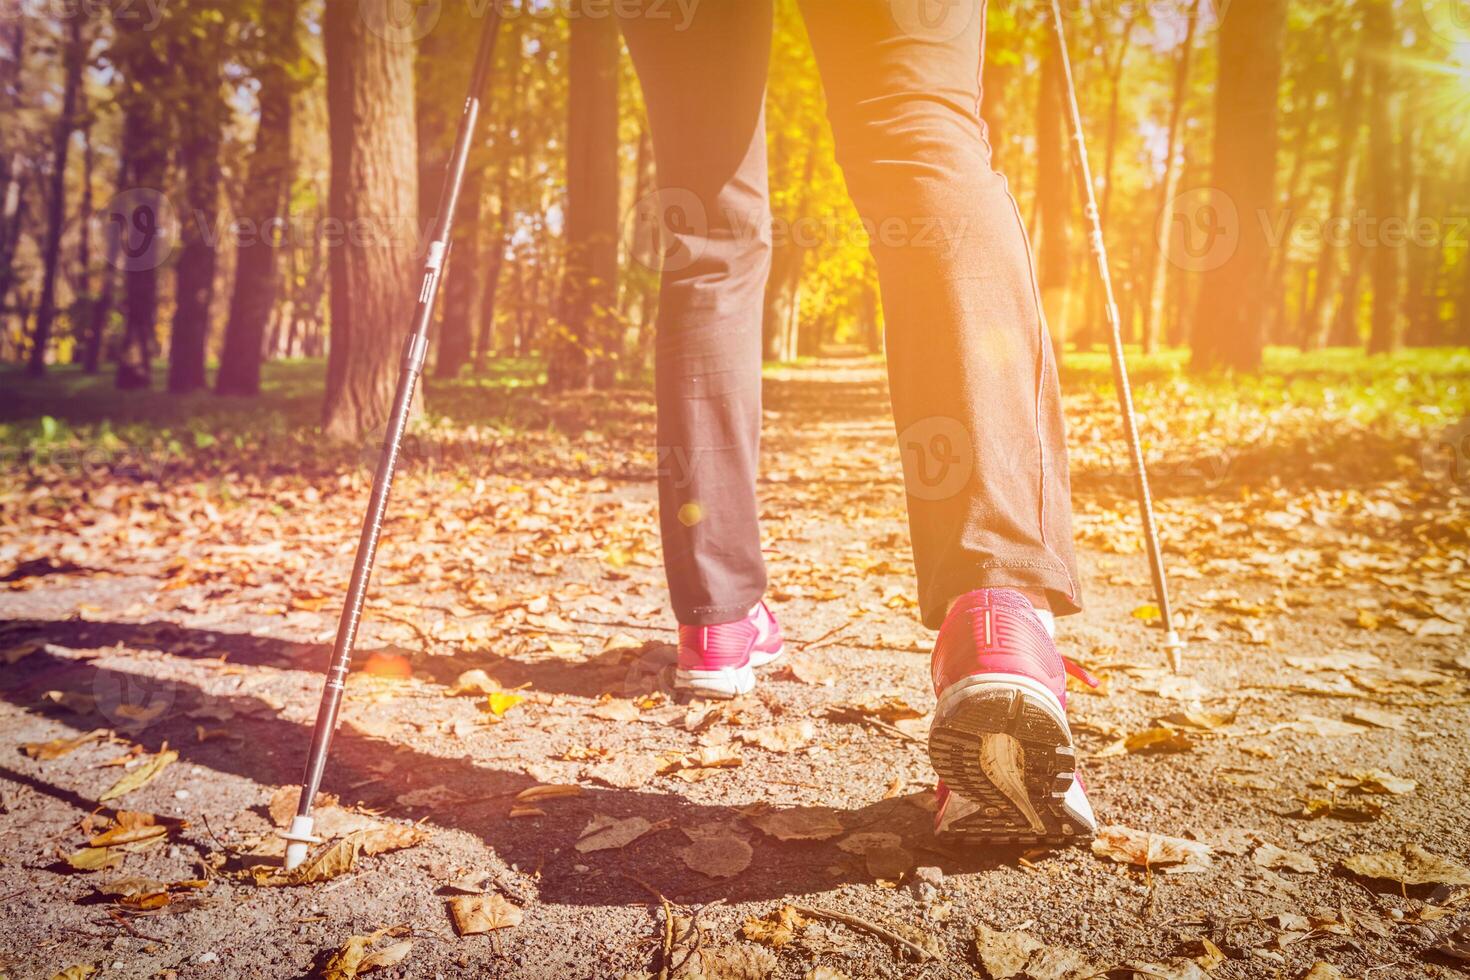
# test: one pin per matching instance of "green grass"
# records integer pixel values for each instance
(68, 408)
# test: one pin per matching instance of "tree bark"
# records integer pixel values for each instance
(1158, 280)
(462, 291)
(146, 136)
(585, 349)
(265, 203)
(1054, 198)
(1344, 181)
(1386, 268)
(374, 192)
(1230, 315)
(199, 55)
(75, 59)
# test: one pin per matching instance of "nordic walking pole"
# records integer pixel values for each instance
(299, 837)
(1172, 644)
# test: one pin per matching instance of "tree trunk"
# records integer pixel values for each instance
(1346, 331)
(1054, 197)
(1230, 314)
(589, 324)
(1387, 260)
(374, 192)
(782, 313)
(199, 55)
(1279, 262)
(1344, 181)
(265, 203)
(12, 182)
(1158, 280)
(76, 57)
(462, 291)
(139, 232)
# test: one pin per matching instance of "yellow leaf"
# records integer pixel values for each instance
(144, 774)
(500, 702)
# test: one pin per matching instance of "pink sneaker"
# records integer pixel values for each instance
(717, 661)
(1000, 741)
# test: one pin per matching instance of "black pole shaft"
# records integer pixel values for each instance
(1083, 170)
(415, 350)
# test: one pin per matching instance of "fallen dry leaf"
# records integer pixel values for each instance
(781, 738)
(776, 929)
(1159, 739)
(1276, 858)
(803, 823)
(94, 858)
(135, 779)
(1128, 846)
(1003, 954)
(550, 791)
(1412, 865)
(474, 682)
(476, 914)
(606, 833)
(720, 855)
(616, 709)
(390, 837)
(1322, 970)
(56, 748)
(79, 972)
(390, 955)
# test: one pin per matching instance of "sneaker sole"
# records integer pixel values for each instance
(717, 685)
(1002, 745)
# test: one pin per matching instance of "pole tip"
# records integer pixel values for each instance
(1174, 647)
(299, 839)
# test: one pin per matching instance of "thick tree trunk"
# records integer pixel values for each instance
(1318, 327)
(75, 59)
(1230, 315)
(586, 347)
(462, 291)
(201, 130)
(146, 136)
(1054, 198)
(12, 180)
(265, 204)
(1386, 268)
(374, 192)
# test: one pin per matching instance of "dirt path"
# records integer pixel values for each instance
(1321, 719)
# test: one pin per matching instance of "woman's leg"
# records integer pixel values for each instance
(704, 81)
(973, 381)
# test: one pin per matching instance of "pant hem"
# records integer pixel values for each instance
(1048, 577)
(715, 615)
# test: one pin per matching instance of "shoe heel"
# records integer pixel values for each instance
(717, 685)
(1003, 747)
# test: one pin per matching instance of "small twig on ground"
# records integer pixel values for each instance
(120, 920)
(804, 644)
(864, 924)
(668, 952)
